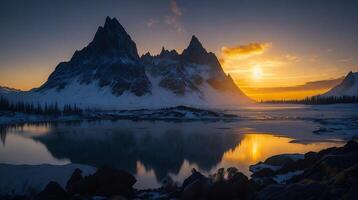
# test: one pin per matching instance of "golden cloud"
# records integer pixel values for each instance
(244, 51)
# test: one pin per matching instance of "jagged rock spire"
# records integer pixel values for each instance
(195, 48)
(111, 40)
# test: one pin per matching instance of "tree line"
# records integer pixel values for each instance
(39, 109)
(317, 100)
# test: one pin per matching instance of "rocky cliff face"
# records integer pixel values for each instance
(192, 71)
(110, 60)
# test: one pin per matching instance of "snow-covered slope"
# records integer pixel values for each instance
(348, 87)
(109, 74)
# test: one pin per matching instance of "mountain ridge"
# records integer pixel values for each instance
(109, 71)
(348, 87)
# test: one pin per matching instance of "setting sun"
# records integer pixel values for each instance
(257, 72)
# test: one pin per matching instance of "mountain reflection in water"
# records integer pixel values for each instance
(153, 150)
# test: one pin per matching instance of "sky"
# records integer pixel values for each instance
(274, 49)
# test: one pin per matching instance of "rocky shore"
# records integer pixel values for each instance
(329, 174)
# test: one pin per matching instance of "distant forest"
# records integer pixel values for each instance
(316, 100)
(37, 108)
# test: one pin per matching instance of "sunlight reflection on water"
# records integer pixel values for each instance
(151, 151)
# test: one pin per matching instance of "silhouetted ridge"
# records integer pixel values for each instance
(111, 40)
(169, 54)
(194, 48)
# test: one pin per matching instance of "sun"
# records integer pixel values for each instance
(257, 72)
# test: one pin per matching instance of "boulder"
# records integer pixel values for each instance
(106, 182)
(294, 192)
(281, 160)
(265, 172)
(198, 189)
(73, 185)
(237, 186)
(222, 190)
(52, 191)
(193, 177)
(109, 182)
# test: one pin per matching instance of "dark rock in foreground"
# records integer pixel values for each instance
(52, 191)
(329, 174)
(235, 186)
(105, 182)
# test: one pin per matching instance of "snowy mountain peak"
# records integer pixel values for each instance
(348, 87)
(195, 51)
(110, 61)
(196, 46)
(111, 40)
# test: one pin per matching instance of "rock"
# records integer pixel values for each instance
(351, 146)
(109, 182)
(260, 183)
(222, 190)
(266, 172)
(73, 185)
(281, 160)
(53, 191)
(111, 60)
(192, 178)
(329, 174)
(242, 187)
(219, 175)
(347, 178)
(106, 182)
(294, 192)
(197, 189)
(235, 186)
(231, 172)
(169, 185)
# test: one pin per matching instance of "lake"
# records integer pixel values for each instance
(153, 150)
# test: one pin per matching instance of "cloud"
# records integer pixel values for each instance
(151, 22)
(292, 58)
(344, 60)
(173, 20)
(314, 85)
(313, 59)
(244, 51)
(173, 23)
(175, 8)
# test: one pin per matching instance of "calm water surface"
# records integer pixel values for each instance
(150, 150)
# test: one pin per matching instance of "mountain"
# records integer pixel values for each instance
(111, 60)
(348, 87)
(6, 90)
(108, 73)
(190, 72)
